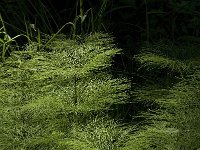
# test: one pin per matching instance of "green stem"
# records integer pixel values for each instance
(75, 90)
(81, 7)
(3, 52)
(81, 13)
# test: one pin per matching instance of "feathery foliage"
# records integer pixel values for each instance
(172, 121)
(47, 96)
(186, 96)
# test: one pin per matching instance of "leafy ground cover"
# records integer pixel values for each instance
(62, 97)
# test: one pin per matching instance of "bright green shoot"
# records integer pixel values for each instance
(30, 28)
(93, 22)
(6, 40)
(58, 32)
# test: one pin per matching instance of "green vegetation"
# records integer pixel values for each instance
(67, 83)
(49, 98)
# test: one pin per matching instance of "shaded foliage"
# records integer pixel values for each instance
(58, 94)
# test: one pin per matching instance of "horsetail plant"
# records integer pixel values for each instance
(47, 97)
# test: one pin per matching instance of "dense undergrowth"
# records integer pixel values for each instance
(62, 97)
(58, 98)
(80, 91)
